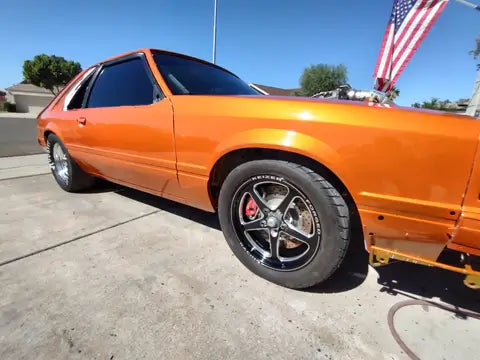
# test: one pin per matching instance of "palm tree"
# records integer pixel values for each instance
(394, 93)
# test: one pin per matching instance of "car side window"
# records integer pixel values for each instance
(122, 84)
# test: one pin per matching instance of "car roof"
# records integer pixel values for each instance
(123, 55)
(144, 50)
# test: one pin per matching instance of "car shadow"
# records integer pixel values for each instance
(185, 211)
(401, 277)
(352, 272)
(102, 186)
(428, 283)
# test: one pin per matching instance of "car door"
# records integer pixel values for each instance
(125, 129)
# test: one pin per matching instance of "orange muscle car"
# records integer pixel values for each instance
(288, 176)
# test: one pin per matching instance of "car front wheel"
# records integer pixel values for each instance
(284, 222)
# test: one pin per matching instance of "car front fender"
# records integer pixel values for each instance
(279, 139)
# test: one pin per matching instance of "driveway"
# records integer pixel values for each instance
(18, 135)
(118, 274)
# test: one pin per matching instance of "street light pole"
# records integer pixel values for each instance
(214, 51)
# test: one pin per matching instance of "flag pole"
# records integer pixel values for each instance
(214, 50)
(469, 4)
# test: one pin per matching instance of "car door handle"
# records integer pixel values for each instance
(82, 121)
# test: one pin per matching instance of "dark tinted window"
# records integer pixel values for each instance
(121, 84)
(185, 76)
(77, 99)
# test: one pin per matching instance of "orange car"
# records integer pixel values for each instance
(288, 176)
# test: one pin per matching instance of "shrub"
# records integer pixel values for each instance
(8, 107)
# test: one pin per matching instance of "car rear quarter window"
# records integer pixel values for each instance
(122, 84)
(75, 96)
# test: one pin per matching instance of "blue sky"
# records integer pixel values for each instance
(263, 41)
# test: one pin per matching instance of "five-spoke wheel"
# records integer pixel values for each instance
(275, 224)
(284, 221)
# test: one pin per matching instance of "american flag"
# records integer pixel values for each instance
(409, 24)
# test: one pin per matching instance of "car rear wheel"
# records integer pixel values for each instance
(284, 222)
(65, 170)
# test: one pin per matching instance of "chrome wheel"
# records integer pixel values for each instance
(276, 223)
(60, 162)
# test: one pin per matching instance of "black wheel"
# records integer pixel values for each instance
(65, 170)
(284, 222)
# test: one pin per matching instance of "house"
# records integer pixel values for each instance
(274, 91)
(3, 96)
(29, 98)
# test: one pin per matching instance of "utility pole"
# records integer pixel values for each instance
(214, 51)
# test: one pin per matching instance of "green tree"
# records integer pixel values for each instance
(434, 104)
(394, 93)
(322, 77)
(50, 71)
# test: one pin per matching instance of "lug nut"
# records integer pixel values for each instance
(266, 210)
(263, 223)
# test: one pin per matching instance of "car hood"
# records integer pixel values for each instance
(302, 99)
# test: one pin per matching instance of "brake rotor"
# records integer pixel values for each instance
(301, 220)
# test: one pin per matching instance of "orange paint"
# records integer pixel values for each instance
(406, 170)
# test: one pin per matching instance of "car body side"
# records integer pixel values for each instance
(410, 174)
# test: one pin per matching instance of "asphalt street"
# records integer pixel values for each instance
(115, 273)
(18, 136)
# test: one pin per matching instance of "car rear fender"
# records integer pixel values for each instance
(50, 128)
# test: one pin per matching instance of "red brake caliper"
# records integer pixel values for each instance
(251, 208)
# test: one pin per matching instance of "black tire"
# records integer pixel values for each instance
(325, 204)
(73, 179)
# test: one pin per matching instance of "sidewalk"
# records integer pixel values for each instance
(10, 115)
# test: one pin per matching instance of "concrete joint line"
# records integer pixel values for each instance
(24, 176)
(76, 238)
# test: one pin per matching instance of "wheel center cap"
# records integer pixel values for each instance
(272, 222)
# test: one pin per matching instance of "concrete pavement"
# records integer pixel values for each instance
(18, 135)
(118, 274)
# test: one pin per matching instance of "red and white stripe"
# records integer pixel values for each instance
(397, 49)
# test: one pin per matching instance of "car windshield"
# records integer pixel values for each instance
(186, 76)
